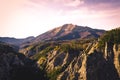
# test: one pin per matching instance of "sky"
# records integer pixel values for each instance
(23, 18)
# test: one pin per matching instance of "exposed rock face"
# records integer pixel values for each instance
(84, 59)
(90, 63)
(94, 66)
(116, 50)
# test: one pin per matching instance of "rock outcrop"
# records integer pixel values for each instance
(75, 63)
(79, 59)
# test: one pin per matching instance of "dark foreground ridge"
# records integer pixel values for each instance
(15, 66)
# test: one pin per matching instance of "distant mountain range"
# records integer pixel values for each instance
(65, 32)
(15, 41)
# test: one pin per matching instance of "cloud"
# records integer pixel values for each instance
(74, 3)
(60, 3)
(103, 3)
(96, 8)
(77, 4)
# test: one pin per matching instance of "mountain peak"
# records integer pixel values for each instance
(68, 27)
(65, 27)
(69, 32)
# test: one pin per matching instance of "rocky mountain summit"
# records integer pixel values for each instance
(69, 32)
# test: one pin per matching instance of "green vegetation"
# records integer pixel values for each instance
(72, 46)
(42, 53)
(53, 74)
(111, 37)
(42, 50)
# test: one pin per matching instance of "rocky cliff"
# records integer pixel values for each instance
(81, 59)
(78, 60)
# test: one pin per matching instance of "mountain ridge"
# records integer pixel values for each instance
(69, 32)
(16, 41)
(64, 32)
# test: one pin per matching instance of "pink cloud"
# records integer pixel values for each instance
(59, 3)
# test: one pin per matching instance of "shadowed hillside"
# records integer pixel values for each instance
(15, 66)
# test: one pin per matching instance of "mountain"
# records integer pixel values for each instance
(16, 66)
(84, 59)
(65, 32)
(16, 42)
(69, 52)
(69, 32)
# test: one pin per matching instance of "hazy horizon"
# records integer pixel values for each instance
(24, 18)
(46, 31)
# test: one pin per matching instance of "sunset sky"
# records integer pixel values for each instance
(23, 18)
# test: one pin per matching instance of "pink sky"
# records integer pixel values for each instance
(23, 18)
